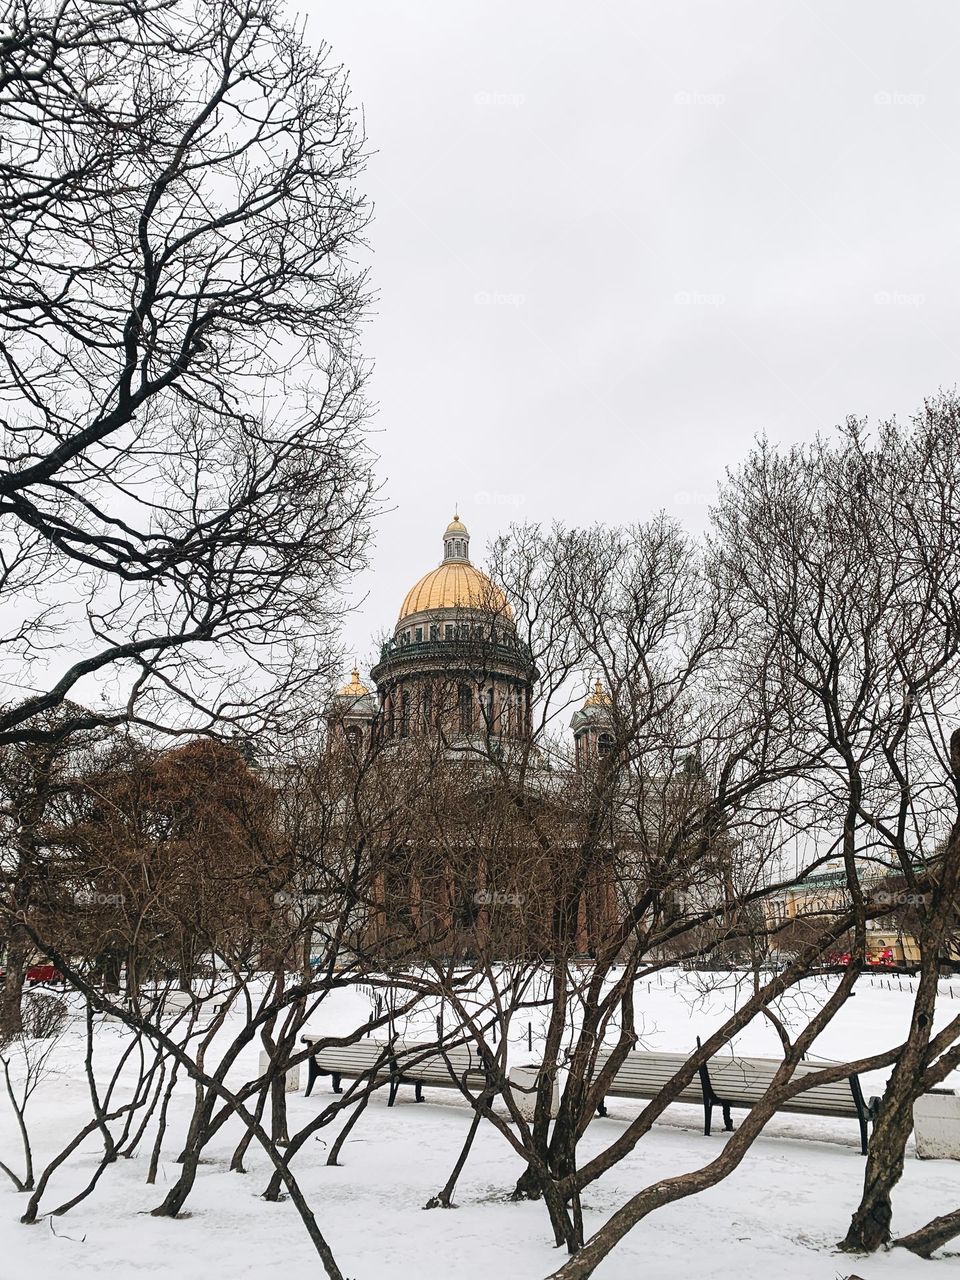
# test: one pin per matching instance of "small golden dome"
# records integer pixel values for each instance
(355, 689)
(599, 697)
(454, 585)
(456, 525)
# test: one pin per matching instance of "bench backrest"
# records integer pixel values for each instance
(352, 1060)
(411, 1059)
(426, 1063)
(745, 1080)
(643, 1075)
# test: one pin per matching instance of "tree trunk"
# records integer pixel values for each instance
(870, 1224)
(236, 1164)
(162, 1126)
(444, 1199)
(175, 1198)
(334, 1157)
(11, 992)
(111, 973)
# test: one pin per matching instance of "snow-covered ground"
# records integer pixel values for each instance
(777, 1216)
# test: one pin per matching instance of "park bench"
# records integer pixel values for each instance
(741, 1082)
(424, 1064)
(403, 1062)
(727, 1082)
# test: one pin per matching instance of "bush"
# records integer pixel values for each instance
(44, 1015)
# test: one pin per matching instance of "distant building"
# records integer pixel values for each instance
(890, 940)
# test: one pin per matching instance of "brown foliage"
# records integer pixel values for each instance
(168, 855)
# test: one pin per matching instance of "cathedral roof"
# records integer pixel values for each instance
(455, 583)
(596, 711)
(454, 586)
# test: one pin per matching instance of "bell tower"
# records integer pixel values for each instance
(593, 728)
(351, 717)
(456, 542)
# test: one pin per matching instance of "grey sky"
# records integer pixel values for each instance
(614, 242)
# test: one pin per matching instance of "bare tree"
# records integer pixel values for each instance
(36, 783)
(28, 1053)
(653, 843)
(844, 555)
(183, 482)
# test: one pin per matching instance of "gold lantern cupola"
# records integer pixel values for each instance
(599, 697)
(456, 541)
(355, 688)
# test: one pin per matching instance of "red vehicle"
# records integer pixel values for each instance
(43, 973)
(37, 973)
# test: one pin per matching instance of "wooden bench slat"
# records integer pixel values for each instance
(644, 1075)
(745, 1080)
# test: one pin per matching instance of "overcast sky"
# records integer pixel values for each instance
(615, 242)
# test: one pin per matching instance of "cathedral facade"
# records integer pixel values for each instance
(455, 677)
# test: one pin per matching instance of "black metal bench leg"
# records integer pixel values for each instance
(336, 1082)
(602, 1108)
(863, 1135)
(707, 1118)
(394, 1086)
(727, 1122)
(418, 1093)
(312, 1073)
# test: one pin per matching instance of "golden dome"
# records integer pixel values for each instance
(355, 689)
(599, 697)
(454, 585)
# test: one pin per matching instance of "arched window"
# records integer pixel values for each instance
(604, 744)
(466, 708)
(488, 708)
(354, 738)
(390, 725)
(404, 715)
(428, 706)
